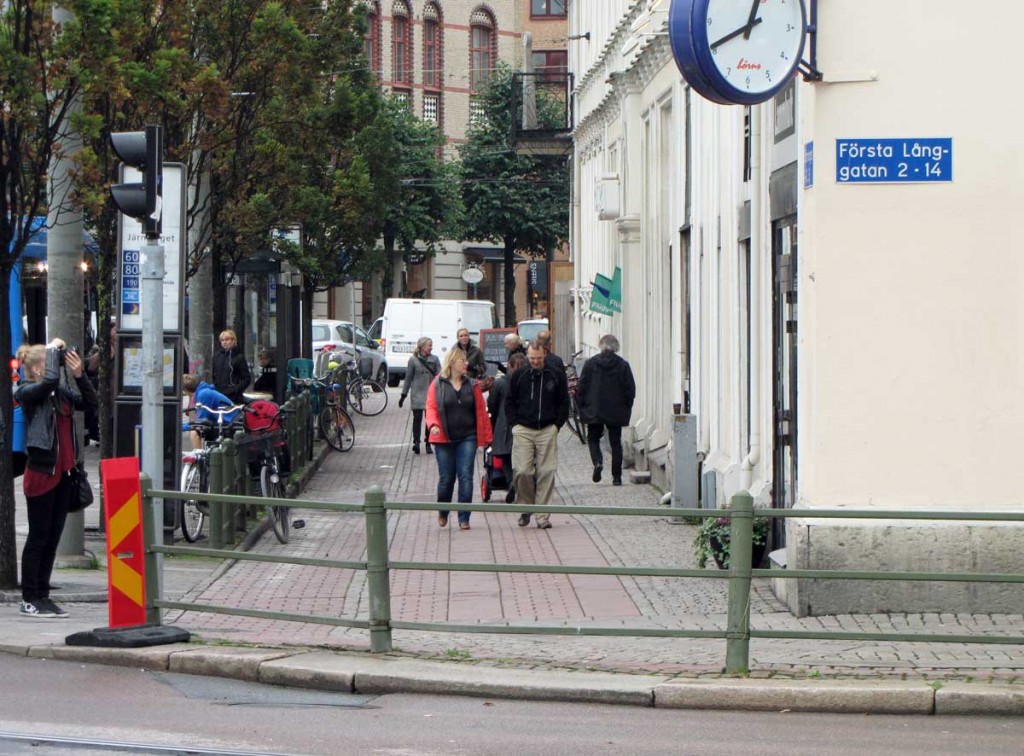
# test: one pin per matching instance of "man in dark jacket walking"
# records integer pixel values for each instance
(537, 406)
(605, 392)
(230, 370)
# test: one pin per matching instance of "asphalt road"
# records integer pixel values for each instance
(135, 711)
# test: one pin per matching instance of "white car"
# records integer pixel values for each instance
(528, 329)
(347, 339)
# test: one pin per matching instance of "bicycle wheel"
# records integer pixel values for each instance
(337, 428)
(577, 424)
(367, 397)
(190, 515)
(273, 488)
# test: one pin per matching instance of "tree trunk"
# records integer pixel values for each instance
(8, 544)
(201, 292)
(510, 284)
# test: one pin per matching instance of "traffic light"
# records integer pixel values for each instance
(142, 150)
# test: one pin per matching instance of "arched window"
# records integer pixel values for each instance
(401, 64)
(371, 40)
(432, 41)
(481, 47)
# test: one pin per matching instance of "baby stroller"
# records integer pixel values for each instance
(497, 474)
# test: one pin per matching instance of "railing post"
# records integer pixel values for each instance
(241, 477)
(216, 509)
(741, 536)
(152, 563)
(230, 487)
(377, 577)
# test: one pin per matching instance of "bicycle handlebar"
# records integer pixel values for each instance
(221, 412)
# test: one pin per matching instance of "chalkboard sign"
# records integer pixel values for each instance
(492, 343)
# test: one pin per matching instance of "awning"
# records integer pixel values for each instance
(491, 254)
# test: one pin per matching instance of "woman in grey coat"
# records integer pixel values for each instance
(421, 370)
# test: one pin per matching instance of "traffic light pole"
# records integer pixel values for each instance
(151, 289)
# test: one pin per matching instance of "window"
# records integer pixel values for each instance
(547, 7)
(431, 55)
(371, 41)
(401, 69)
(481, 48)
(431, 108)
(552, 63)
(403, 96)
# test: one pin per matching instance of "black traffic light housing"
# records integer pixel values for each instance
(142, 150)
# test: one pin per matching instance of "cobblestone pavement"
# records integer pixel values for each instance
(382, 455)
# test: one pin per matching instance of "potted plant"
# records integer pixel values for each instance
(712, 541)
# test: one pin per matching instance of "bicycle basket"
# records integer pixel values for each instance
(262, 416)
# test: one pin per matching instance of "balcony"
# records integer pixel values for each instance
(542, 113)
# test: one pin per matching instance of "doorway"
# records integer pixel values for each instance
(784, 367)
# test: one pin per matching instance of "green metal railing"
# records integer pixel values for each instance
(737, 632)
(229, 469)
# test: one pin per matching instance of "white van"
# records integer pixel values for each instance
(407, 320)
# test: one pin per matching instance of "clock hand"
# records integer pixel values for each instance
(744, 30)
(751, 19)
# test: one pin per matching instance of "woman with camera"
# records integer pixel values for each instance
(48, 402)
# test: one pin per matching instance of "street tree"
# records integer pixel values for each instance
(41, 79)
(415, 193)
(518, 201)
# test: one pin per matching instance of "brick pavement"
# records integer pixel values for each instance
(382, 455)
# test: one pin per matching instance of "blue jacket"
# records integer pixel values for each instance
(208, 396)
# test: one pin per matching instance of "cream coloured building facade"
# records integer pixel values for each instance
(833, 344)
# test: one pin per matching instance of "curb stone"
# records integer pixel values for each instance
(776, 695)
(964, 698)
(353, 673)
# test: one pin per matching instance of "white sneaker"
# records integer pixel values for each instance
(36, 609)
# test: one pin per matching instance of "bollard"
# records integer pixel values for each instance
(377, 577)
(152, 559)
(737, 632)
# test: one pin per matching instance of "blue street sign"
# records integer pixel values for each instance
(894, 161)
(808, 165)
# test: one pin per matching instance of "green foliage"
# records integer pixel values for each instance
(518, 201)
(711, 540)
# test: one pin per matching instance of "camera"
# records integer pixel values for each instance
(62, 354)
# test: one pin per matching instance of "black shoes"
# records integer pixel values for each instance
(416, 449)
(597, 473)
(617, 481)
(524, 520)
(510, 496)
(429, 450)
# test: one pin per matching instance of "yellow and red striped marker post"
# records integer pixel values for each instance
(126, 545)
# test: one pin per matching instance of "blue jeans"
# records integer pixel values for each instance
(455, 460)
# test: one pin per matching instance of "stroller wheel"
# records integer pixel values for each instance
(485, 488)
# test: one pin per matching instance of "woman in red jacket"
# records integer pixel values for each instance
(457, 423)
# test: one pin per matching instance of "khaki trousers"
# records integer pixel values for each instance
(534, 462)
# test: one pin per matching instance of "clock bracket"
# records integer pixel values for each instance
(809, 68)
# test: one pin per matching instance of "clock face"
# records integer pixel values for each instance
(737, 51)
(767, 47)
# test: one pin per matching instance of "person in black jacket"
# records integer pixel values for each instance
(536, 407)
(230, 370)
(51, 443)
(605, 392)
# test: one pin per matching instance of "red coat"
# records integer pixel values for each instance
(484, 434)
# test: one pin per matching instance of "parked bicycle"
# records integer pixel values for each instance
(366, 396)
(575, 421)
(195, 468)
(336, 426)
(272, 481)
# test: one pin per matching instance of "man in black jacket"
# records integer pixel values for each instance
(605, 391)
(536, 407)
(230, 370)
